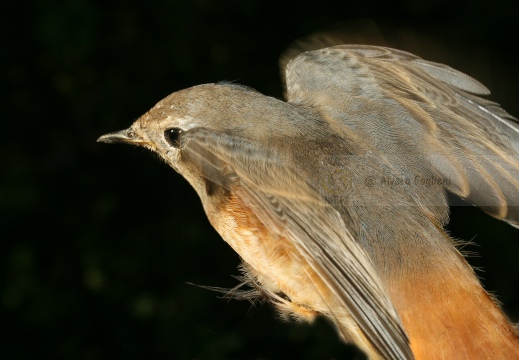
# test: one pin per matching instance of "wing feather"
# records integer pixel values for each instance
(428, 108)
(286, 204)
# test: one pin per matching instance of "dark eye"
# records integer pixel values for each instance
(173, 137)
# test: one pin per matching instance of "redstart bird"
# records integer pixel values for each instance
(336, 199)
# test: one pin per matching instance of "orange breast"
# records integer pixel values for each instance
(271, 259)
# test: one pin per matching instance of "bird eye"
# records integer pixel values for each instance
(173, 137)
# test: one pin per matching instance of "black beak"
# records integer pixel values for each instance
(126, 136)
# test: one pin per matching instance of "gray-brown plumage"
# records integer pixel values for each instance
(336, 199)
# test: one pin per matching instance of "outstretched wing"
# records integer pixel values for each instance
(288, 206)
(411, 110)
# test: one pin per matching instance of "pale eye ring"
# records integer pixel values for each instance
(172, 137)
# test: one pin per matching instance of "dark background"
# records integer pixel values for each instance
(98, 242)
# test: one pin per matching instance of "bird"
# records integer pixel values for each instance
(336, 197)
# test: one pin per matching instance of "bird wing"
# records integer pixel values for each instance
(418, 115)
(287, 205)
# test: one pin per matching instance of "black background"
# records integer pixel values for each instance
(98, 242)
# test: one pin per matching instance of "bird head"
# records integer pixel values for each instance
(225, 111)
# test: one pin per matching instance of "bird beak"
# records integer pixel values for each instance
(126, 136)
